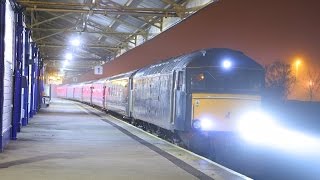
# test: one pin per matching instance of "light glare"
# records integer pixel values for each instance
(75, 42)
(227, 64)
(256, 126)
(206, 124)
(68, 56)
(259, 128)
(66, 63)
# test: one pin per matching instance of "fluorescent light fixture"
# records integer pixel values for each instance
(75, 42)
(69, 56)
(66, 63)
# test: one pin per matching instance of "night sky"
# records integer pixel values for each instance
(264, 30)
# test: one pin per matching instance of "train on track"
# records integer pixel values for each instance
(194, 100)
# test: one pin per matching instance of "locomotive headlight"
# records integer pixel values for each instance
(206, 124)
(203, 124)
(196, 124)
(227, 64)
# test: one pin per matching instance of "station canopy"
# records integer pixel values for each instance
(93, 32)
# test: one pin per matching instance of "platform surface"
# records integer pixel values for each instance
(70, 140)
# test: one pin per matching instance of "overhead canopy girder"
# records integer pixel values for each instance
(55, 23)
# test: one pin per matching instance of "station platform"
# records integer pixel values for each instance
(70, 140)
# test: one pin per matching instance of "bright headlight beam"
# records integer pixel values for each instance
(206, 124)
(203, 124)
(255, 126)
(259, 128)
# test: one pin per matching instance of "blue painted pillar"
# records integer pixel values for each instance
(32, 75)
(16, 122)
(34, 80)
(36, 83)
(2, 29)
(26, 100)
(40, 78)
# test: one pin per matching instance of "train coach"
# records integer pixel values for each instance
(193, 98)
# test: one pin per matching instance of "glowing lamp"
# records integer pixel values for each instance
(226, 64)
(203, 124)
(75, 42)
(206, 124)
(68, 56)
(66, 63)
(196, 124)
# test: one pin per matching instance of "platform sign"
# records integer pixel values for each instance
(54, 79)
(98, 70)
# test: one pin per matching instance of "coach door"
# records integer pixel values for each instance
(104, 97)
(180, 101)
(179, 94)
(91, 93)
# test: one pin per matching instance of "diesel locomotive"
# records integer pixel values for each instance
(192, 99)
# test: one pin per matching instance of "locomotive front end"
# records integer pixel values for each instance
(223, 86)
(223, 93)
(220, 112)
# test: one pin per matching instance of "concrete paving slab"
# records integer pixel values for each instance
(70, 140)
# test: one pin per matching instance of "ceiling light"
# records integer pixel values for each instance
(66, 63)
(68, 56)
(75, 42)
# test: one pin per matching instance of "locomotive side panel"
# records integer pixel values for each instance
(152, 100)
